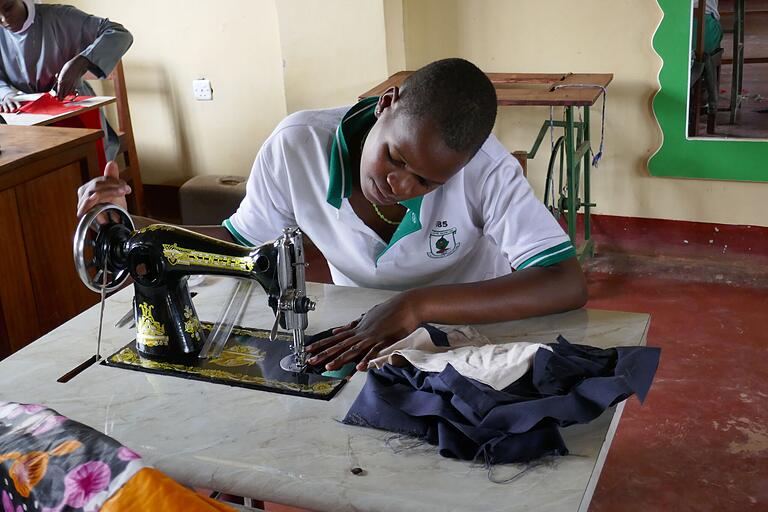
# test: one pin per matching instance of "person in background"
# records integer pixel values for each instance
(50, 47)
(713, 30)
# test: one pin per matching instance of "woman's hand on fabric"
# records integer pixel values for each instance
(362, 340)
(70, 76)
(10, 103)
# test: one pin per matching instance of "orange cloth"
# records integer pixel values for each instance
(152, 491)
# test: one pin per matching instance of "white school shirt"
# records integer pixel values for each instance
(479, 225)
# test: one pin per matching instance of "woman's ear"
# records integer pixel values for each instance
(386, 100)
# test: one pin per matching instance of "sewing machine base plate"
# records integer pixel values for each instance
(248, 360)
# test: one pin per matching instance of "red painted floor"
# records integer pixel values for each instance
(700, 442)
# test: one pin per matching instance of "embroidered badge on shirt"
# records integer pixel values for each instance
(442, 242)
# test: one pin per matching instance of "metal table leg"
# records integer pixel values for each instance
(576, 148)
(588, 244)
(569, 166)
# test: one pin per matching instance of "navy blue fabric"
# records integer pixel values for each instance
(439, 337)
(469, 420)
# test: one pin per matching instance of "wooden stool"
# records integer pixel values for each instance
(209, 199)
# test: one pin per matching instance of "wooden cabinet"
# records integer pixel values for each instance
(40, 171)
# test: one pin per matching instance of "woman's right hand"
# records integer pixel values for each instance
(108, 188)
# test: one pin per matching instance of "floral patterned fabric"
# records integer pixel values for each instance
(49, 463)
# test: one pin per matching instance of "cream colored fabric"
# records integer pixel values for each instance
(458, 336)
(470, 353)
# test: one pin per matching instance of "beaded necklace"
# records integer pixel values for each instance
(382, 217)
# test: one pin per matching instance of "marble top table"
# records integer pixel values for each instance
(292, 450)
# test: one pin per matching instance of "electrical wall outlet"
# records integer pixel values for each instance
(202, 89)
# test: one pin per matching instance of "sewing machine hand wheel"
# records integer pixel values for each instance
(94, 247)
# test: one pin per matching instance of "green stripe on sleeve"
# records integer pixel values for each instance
(550, 256)
(240, 239)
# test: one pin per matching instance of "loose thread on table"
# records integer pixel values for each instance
(406, 443)
(545, 461)
(409, 441)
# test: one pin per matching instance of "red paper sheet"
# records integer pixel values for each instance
(49, 105)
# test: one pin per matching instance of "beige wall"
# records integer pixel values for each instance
(585, 36)
(267, 58)
(394, 23)
(332, 50)
(176, 41)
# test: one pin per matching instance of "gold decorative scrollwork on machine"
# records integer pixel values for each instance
(182, 256)
(149, 332)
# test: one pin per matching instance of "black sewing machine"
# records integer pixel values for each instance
(159, 258)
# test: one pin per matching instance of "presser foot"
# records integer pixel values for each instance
(291, 364)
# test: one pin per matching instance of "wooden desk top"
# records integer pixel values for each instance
(44, 119)
(532, 89)
(20, 145)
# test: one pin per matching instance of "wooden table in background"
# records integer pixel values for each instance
(531, 89)
(40, 171)
(88, 105)
(87, 116)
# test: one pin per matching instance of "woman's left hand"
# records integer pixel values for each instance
(361, 340)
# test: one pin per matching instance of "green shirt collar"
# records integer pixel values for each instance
(409, 224)
(357, 120)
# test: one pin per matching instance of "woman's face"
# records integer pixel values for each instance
(13, 14)
(405, 158)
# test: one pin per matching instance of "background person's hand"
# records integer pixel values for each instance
(363, 339)
(104, 189)
(70, 75)
(10, 103)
